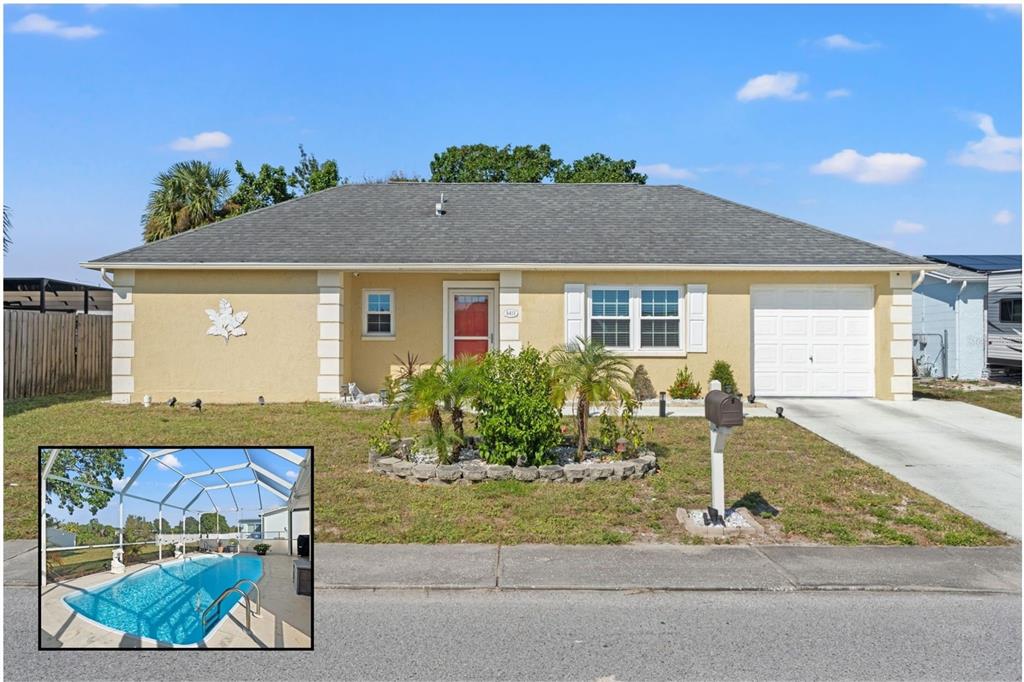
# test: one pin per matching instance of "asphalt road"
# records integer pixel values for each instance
(587, 635)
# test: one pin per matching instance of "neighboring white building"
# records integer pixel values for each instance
(275, 524)
(1000, 318)
(949, 324)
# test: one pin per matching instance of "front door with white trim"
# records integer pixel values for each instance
(813, 341)
(471, 322)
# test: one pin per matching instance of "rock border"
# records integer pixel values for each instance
(477, 471)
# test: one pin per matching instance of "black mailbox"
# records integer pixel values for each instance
(723, 409)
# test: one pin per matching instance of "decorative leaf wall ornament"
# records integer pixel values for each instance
(226, 322)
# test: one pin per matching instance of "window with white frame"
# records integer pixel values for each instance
(660, 318)
(610, 317)
(378, 312)
(637, 318)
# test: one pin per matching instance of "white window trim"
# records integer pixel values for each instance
(378, 336)
(634, 349)
(629, 317)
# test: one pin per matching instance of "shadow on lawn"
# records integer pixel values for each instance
(758, 506)
(16, 407)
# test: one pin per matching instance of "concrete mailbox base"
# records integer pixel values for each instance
(745, 526)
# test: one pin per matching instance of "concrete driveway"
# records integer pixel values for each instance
(966, 456)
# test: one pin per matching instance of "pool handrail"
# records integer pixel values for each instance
(259, 606)
(218, 600)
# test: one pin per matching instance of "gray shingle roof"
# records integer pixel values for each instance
(542, 224)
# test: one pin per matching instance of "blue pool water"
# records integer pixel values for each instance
(160, 602)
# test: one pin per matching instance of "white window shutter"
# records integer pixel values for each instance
(575, 299)
(697, 318)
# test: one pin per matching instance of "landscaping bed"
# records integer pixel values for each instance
(802, 488)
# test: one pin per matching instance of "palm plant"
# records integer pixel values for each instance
(421, 399)
(458, 379)
(591, 373)
(187, 195)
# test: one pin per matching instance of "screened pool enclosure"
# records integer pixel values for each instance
(102, 508)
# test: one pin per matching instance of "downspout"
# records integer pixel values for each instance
(109, 279)
(920, 278)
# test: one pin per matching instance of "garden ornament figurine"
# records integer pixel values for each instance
(117, 561)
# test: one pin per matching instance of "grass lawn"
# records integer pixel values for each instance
(824, 494)
(1005, 399)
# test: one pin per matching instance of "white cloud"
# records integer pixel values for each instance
(907, 227)
(837, 41)
(43, 25)
(838, 92)
(782, 85)
(214, 139)
(664, 170)
(1002, 217)
(170, 461)
(881, 168)
(993, 152)
(291, 473)
(118, 483)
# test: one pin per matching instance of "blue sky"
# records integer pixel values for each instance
(896, 124)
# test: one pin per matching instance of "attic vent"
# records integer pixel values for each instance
(439, 206)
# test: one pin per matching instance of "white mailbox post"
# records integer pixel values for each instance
(723, 412)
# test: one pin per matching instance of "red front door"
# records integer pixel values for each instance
(471, 323)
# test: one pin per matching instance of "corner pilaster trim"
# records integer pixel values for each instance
(510, 311)
(330, 345)
(122, 346)
(901, 334)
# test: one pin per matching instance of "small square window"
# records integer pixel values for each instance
(378, 313)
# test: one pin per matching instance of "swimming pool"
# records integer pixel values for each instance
(160, 602)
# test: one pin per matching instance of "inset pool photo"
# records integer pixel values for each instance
(166, 547)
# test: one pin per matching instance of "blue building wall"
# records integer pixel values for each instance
(945, 315)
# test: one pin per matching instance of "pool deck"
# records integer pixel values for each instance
(286, 620)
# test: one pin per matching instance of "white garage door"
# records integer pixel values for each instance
(813, 341)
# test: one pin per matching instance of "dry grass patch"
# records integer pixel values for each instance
(822, 493)
(999, 397)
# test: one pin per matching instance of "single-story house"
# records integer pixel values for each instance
(1000, 321)
(949, 324)
(296, 300)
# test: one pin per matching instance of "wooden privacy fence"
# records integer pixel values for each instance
(47, 353)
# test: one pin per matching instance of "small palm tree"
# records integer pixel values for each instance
(187, 195)
(446, 387)
(593, 374)
(458, 379)
(421, 398)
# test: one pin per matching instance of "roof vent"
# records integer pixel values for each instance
(439, 206)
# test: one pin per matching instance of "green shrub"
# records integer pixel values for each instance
(608, 431)
(386, 431)
(722, 371)
(516, 411)
(643, 389)
(684, 387)
(631, 429)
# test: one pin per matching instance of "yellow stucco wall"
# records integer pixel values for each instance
(175, 356)
(729, 316)
(278, 357)
(419, 301)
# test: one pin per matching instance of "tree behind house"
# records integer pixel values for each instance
(189, 194)
(311, 176)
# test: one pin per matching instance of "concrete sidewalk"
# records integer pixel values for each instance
(640, 567)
